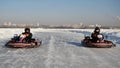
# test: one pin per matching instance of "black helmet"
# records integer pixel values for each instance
(97, 30)
(27, 29)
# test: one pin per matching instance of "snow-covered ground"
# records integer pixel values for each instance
(61, 48)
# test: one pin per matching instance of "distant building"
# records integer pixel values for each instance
(5, 24)
(96, 25)
(91, 25)
(9, 23)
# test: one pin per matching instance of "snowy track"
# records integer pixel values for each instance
(60, 49)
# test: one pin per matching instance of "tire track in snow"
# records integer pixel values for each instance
(51, 50)
(100, 61)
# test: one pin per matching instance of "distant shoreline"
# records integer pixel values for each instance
(65, 27)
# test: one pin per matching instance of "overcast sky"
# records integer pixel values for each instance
(59, 12)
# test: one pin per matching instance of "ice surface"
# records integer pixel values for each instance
(61, 48)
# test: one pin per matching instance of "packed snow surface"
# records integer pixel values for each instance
(61, 48)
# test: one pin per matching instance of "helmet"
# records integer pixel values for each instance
(27, 29)
(97, 30)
